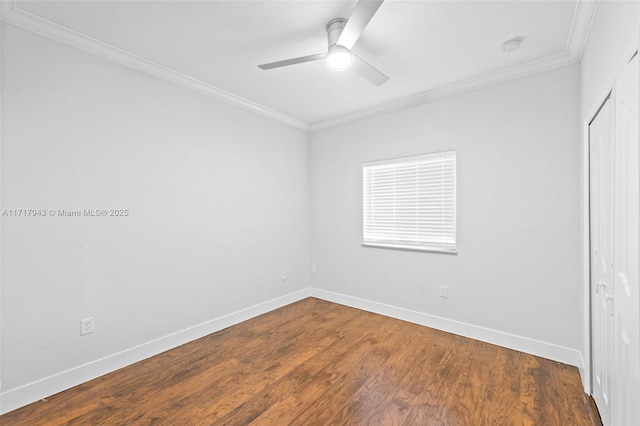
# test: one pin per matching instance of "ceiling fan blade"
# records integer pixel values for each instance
(360, 17)
(293, 61)
(367, 71)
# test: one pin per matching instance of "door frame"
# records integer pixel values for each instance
(609, 101)
(604, 93)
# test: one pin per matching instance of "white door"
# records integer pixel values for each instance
(601, 211)
(626, 384)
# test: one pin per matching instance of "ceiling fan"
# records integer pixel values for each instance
(343, 34)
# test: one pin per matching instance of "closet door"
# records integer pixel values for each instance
(626, 386)
(601, 213)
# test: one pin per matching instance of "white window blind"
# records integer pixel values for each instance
(410, 202)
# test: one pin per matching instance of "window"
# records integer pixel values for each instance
(410, 202)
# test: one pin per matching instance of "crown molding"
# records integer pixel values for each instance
(583, 16)
(12, 14)
(474, 83)
(578, 35)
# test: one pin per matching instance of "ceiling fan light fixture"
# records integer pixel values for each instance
(342, 35)
(339, 58)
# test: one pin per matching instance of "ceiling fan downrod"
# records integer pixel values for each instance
(334, 29)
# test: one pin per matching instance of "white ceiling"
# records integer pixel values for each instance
(427, 48)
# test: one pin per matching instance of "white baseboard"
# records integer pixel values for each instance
(585, 375)
(495, 337)
(32, 392)
(35, 391)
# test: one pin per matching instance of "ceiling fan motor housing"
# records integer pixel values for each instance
(334, 29)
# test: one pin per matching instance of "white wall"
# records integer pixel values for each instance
(218, 200)
(517, 266)
(614, 28)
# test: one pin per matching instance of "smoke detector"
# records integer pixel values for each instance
(511, 45)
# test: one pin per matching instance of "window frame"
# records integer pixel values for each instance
(411, 247)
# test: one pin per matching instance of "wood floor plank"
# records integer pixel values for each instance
(382, 374)
(466, 388)
(140, 381)
(431, 390)
(299, 378)
(319, 363)
(569, 404)
(506, 390)
(394, 409)
(320, 373)
(342, 394)
(257, 362)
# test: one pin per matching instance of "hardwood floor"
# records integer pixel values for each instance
(318, 363)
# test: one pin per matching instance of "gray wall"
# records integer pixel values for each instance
(218, 200)
(516, 271)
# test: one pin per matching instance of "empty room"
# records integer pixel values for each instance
(305, 212)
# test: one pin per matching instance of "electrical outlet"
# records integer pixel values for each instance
(284, 275)
(313, 269)
(87, 326)
(443, 291)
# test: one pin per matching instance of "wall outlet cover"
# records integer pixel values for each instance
(443, 291)
(87, 326)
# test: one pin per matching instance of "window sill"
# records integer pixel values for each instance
(409, 248)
